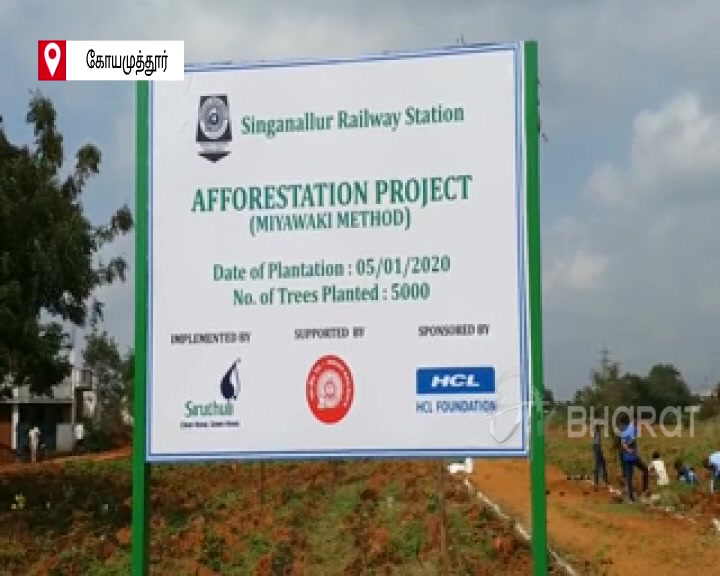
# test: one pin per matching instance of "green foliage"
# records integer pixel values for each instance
(128, 376)
(99, 438)
(212, 550)
(558, 416)
(113, 371)
(709, 409)
(610, 388)
(48, 251)
(666, 387)
(102, 355)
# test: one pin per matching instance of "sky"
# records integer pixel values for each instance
(630, 103)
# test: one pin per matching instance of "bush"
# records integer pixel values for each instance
(109, 433)
(106, 436)
(98, 439)
(710, 408)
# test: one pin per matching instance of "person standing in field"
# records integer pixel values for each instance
(712, 463)
(657, 467)
(632, 460)
(599, 465)
(34, 441)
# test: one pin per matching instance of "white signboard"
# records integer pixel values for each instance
(338, 259)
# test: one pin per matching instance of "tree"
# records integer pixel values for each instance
(709, 406)
(666, 387)
(610, 388)
(111, 368)
(102, 355)
(128, 374)
(48, 250)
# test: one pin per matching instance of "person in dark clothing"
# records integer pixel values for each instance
(617, 444)
(685, 474)
(599, 466)
(632, 460)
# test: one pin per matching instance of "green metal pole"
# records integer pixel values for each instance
(538, 502)
(141, 469)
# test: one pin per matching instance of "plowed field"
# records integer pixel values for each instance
(72, 518)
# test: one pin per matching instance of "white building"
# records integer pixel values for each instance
(72, 400)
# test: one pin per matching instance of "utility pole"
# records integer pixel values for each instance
(605, 360)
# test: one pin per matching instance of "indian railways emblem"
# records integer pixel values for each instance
(330, 389)
(214, 130)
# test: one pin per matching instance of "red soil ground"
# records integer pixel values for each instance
(599, 535)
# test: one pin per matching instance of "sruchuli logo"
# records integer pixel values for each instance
(230, 382)
(229, 388)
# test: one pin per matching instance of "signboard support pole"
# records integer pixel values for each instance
(140, 468)
(538, 502)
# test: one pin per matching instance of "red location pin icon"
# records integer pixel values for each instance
(52, 57)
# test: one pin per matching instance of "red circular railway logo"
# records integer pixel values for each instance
(330, 389)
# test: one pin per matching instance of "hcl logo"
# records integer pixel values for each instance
(466, 380)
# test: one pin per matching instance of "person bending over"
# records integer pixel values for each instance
(684, 474)
(712, 463)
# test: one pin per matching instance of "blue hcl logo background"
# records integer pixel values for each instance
(467, 380)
